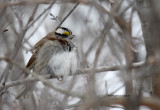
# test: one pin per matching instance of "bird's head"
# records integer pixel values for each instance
(64, 33)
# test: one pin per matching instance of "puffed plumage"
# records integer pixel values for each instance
(54, 54)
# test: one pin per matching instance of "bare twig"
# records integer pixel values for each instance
(36, 28)
(150, 102)
(67, 15)
(49, 7)
(25, 2)
(33, 14)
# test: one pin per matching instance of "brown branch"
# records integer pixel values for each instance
(36, 78)
(150, 102)
(26, 3)
(30, 2)
(78, 72)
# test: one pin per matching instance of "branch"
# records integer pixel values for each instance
(25, 2)
(67, 15)
(150, 102)
(18, 82)
(109, 68)
(36, 78)
(78, 72)
(39, 16)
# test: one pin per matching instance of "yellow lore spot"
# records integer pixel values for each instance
(66, 33)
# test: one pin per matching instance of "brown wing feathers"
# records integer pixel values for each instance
(36, 49)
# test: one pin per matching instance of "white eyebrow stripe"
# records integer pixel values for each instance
(60, 31)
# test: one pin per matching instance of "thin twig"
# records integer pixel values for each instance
(36, 28)
(40, 15)
(67, 15)
(33, 14)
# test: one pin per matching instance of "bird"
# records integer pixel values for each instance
(54, 54)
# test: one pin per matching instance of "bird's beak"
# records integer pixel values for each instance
(71, 36)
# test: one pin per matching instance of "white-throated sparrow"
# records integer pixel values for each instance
(54, 54)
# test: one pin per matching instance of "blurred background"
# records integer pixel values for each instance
(118, 50)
